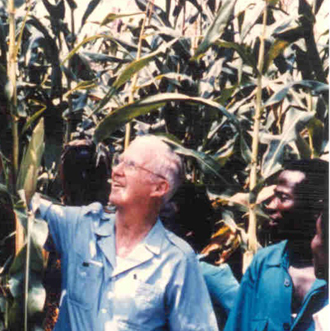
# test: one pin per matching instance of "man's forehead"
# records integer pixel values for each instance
(140, 151)
(290, 177)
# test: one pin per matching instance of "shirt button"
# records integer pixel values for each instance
(103, 311)
(286, 326)
(110, 295)
(287, 282)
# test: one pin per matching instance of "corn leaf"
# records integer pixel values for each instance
(28, 173)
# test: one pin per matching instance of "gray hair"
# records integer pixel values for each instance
(164, 161)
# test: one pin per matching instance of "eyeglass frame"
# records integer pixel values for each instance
(117, 160)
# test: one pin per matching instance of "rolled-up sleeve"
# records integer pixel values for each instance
(189, 302)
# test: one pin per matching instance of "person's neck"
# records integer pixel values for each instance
(132, 227)
(301, 271)
(300, 253)
(303, 279)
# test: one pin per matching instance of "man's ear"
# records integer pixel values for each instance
(161, 189)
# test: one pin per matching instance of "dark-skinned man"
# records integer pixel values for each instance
(279, 290)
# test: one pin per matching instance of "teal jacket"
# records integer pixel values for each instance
(264, 298)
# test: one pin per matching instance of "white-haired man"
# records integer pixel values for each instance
(125, 271)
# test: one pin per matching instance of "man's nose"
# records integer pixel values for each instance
(117, 169)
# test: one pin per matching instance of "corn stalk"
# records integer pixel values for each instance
(68, 120)
(252, 229)
(11, 69)
(135, 77)
(30, 220)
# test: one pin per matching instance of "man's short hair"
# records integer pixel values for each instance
(313, 190)
(164, 162)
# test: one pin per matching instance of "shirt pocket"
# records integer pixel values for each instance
(141, 301)
(147, 296)
(85, 283)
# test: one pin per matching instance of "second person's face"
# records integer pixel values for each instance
(284, 208)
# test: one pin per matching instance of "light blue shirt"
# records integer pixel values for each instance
(157, 287)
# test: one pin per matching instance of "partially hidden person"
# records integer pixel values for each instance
(320, 249)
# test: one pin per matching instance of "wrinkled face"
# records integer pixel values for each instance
(320, 253)
(132, 178)
(285, 209)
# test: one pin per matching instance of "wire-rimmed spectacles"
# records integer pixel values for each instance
(118, 159)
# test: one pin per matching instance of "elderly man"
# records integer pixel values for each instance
(279, 290)
(125, 271)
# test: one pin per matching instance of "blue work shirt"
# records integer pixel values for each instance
(265, 295)
(157, 287)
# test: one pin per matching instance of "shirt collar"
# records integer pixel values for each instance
(104, 227)
(154, 239)
(102, 224)
(279, 255)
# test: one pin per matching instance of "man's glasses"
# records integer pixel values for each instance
(131, 165)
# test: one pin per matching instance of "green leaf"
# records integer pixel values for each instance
(113, 16)
(128, 72)
(251, 20)
(33, 118)
(72, 3)
(28, 173)
(295, 121)
(315, 86)
(276, 49)
(5, 197)
(217, 27)
(36, 293)
(36, 261)
(207, 162)
(243, 52)
(90, 8)
(55, 11)
(316, 133)
(82, 43)
(36, 298)
(126, 113)
(84, 85)
(226, 151)
(137, 65)
(303, 148)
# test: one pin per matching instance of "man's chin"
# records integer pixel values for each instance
(114, 200)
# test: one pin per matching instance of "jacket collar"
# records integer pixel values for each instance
(279, 256)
